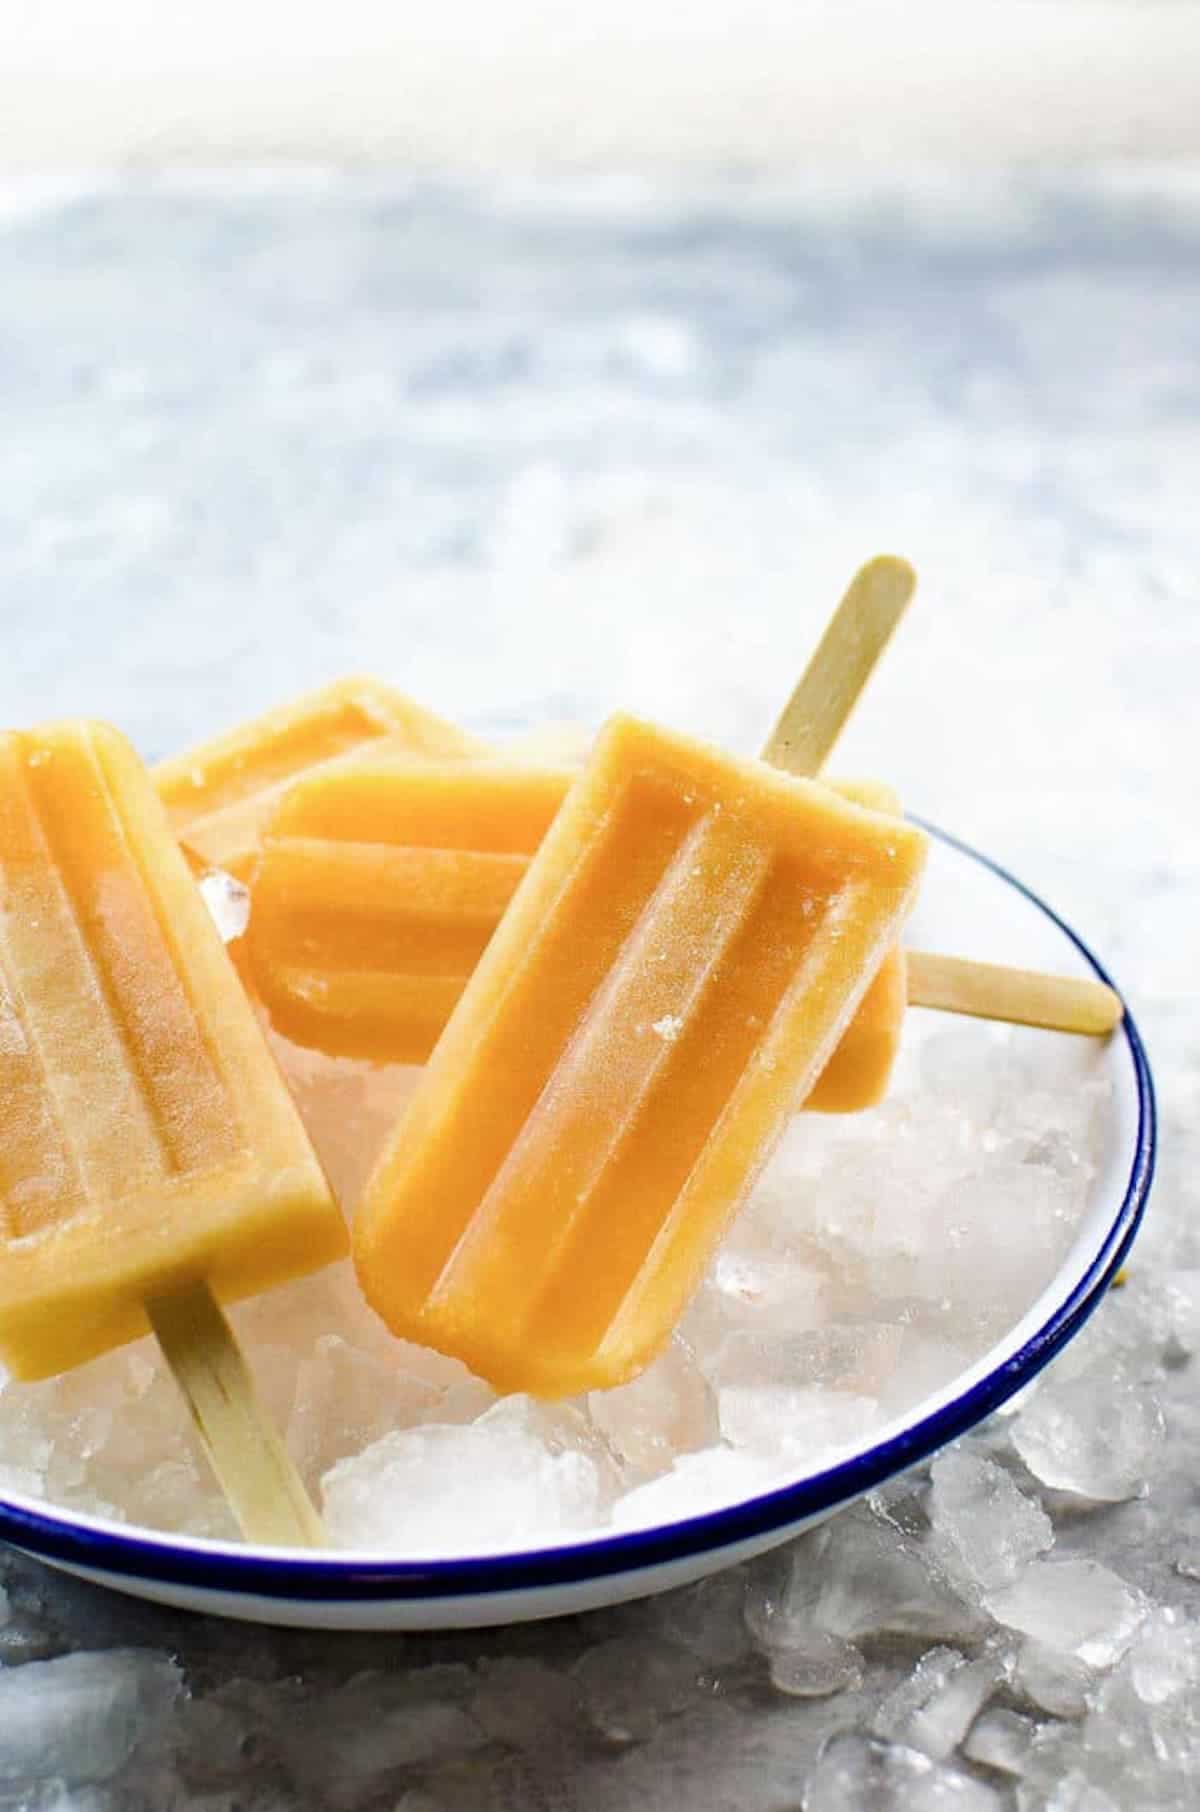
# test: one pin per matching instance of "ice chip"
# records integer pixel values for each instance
(1165, 1660)
(1096, 1435)
(804, 1660)
(696, 1482)
(808, 1424)
(816, 1668)
(934, 1708)
(667, 1411)
(80, 1717)
(706, 1618)
(418, 1490)
(348, 1107)
(861, 1577)
(1000, 1739)
(862, 1774)
(1073, 1604)
(758, 1285)
(985, 1530)
(1053, 1681)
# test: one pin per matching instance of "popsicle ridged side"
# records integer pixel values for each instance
(633, 1041)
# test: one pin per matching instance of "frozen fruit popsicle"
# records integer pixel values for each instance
(691, 940)
(689, 944)
(218, 795)
(150, 1156)
(380, 883)
(378, 887)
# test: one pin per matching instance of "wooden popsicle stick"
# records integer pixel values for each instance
(856, 635)
(1059, 1003)
(243, 1447)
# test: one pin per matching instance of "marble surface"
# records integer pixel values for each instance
(535, 450)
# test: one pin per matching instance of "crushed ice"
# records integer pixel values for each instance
(874, 1262)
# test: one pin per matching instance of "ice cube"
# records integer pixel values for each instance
(1052, 1680)
(856, 1357)
(348, 1107)
(926, 1362)
(934, 1708)
(80, 1717)
(808, 1426)
(667, 1411)
(1165, 1659)
(1073, 1604)
(696, 1482)
(863, 1774)
(706, 1618)
(815, 1668)
(1001, 1739)
(346, 1398)
(1140, 1740)
(985, 1530)
(417, 1491)
(975, 1218)
(759, 1284)
(804, 1660)
(1096, 1435)
(857, 1576)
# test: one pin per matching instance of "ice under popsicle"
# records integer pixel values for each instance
(380, 883)
(148, 1140)
(691, 941)
(218, 795)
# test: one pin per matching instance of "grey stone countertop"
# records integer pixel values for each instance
(538, 450)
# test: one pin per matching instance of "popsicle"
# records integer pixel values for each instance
(218, 795)
(380, 883)
(675, 969)
(151, 1159)
(377, 890)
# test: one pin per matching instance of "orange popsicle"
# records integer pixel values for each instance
(691, 941)
(381, 881)
(150, 1152)
(379, 885)
(218, 795)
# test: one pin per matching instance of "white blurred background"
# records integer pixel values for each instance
(481, 82)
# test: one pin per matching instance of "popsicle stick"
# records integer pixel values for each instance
(857, 634)
(252, 1465)
(1059, 1003)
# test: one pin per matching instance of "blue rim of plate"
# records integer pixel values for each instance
(351, 1579)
